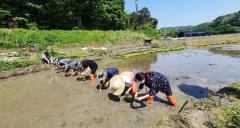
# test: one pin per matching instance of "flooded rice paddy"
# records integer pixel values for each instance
(49, 100)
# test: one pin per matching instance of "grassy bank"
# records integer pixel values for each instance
(5, 65)
(219, 110)
(40, 39)
(212, 40)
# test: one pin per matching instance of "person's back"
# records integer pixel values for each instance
(86, 67)
(111, 71)
(65, 61)
(128, 77)
(88, 63)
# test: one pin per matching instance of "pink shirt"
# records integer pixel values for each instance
(128, 77)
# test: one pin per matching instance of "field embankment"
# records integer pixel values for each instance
(218, 110)
(211, 40)
(21, 48)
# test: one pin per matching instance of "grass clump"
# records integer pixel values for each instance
(227, 117)
(77, 54)
(6, 65)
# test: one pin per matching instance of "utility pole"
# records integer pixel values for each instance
(165, 29)
(136, 4)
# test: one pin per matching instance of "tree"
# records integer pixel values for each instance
(143, 19)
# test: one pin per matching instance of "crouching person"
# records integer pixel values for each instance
(125, 80)
(63, 63)
(155, 82)
(47, 58)
(73, 67)
(105, 76)
(88, 68)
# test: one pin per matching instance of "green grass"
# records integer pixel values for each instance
(74, 54)
(22, 38)
(5, 65)
(227, 117)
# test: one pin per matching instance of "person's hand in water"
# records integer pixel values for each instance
(141, 97)
(80, 77)
(127, 93)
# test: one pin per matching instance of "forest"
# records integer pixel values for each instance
(73, 14)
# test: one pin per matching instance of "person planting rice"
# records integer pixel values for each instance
(64, 63)
(47, 58)
(119, 82)
(156, 82)
(88, 68)
(73, 67)
(105, 76)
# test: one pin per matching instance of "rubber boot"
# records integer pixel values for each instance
(149, 100)
(92, 76)
(172, 100)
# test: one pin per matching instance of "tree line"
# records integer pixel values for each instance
(73, 14)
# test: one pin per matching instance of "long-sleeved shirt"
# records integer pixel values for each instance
(157, 82)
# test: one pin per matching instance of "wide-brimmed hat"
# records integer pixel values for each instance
(117, 85)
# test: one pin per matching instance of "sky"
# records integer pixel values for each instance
(185, 12)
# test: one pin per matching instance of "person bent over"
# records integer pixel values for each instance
(88, 68)
(63, 63)
(73, 67)
(105, 76)
(119, 82)
(47, 58)
(156, 82)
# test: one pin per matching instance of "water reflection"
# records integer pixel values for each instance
(231, 50)
(140, 63)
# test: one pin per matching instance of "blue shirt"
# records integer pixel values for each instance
(111, 71)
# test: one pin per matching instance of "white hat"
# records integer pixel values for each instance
(117, 85)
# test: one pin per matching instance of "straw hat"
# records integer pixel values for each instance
(117, 85)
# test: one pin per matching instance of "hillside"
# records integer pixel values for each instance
(224, 24)
(221, 25)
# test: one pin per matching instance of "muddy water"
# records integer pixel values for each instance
(48, 99)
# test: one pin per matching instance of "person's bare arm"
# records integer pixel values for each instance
(141, 97)
(129, 89)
